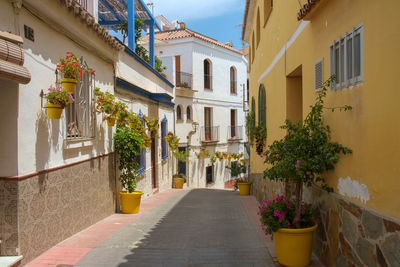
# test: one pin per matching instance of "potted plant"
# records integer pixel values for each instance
(57, 99)
(105, 103)
(71, 70)
(299, 158)
(242, 184)
(179, 180)
(173, 144)
(128, 144)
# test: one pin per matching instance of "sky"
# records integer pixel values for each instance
(218, 19)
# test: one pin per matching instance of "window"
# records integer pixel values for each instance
(253, 107)
(233, 128)
(178, 112)
(267, 10)
(142, 157)
(318, 69)
(233, 80)
(164, 130)
(346, 59)
(207, 74)
(261, 106)
(258, 27)
(80, 116)
(252, 48)
(189, 113)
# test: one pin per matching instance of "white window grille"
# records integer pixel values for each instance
(80, 115)
(346, 59)
(318, 68)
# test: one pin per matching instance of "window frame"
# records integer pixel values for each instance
(190, 116)
(233, 80)
(342, 79)
(262, 106)
(179, 114)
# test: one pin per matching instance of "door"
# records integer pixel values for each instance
(182, 164)
(178, 70)
(209, 174)
(153, 163)
(207, 124)
(233, 123)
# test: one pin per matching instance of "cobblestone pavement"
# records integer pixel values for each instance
(198, 227)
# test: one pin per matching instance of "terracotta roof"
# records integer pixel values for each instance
(306, 9)
(187, 33)
(87, 18)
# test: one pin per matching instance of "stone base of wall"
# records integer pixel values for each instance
(38, 212)
(350, 234)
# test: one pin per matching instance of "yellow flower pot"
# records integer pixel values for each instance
(110, 122)
(130, 202)
(244, 188)
(54, 111)
(178, 182)
(68, 84)
(294, 246)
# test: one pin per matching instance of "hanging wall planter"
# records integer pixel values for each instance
(54, 111)
(111, 122)
(69, 84)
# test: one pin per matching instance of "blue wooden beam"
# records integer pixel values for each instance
(150, 14)
(109, 22)
(151, 42)
(123, 3)
(131, 24)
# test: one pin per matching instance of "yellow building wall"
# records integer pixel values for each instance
(372, 128)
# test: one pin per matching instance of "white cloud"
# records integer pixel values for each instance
(194, 9)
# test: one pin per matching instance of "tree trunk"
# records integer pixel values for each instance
(299, 197)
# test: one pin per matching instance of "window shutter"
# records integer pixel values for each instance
(318, 68)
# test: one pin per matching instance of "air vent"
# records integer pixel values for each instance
(318, 75)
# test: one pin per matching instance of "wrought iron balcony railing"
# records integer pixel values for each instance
(235, 133)
(183, 79)
(210, 133)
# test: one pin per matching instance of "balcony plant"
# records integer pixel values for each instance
(70, 68)
(57, 99)
(128, 144)
(299, 158)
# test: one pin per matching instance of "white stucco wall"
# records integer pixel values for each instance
(41, 141)
(193, 52)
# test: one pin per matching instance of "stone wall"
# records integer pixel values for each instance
(38, 212)
(350, 234)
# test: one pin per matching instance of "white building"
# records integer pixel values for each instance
(58, 177)
(210, 78)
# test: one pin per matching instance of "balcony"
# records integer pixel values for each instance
(209, 134)
(183, 79)
(235, 133)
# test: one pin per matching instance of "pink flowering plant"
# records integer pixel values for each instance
(57, 95)
(305, 152)
(280, 213)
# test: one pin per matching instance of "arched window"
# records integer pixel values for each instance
(189, 113)
(262, 109)
(233, 80)
(207, 74)
(178, 112)
(258, 27)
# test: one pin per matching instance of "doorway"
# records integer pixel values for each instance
(294, 95)
(209, 174)
(182, 164)
(153, 164)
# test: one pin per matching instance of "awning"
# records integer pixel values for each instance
(12, 59)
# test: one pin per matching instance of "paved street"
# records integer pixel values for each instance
(199, 227)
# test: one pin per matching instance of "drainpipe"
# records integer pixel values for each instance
(189, 139)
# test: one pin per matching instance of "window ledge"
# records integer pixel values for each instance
(179, 121)
(78, 143)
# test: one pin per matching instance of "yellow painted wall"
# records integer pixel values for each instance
(372, 128)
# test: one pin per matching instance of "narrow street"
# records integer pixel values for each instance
(198, 227)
